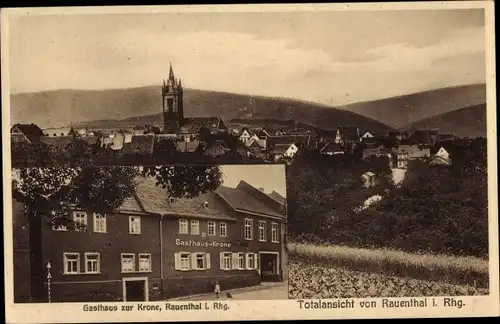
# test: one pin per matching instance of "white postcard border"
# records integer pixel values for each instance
(246, 310)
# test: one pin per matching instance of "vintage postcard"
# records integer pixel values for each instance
(250, 162)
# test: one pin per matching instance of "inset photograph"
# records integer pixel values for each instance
(149, 233)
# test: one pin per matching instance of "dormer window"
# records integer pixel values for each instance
(172, 200)
(205, 204)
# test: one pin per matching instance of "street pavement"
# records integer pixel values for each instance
(262, 292)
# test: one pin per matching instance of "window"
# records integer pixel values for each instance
(184, 261)
(205, 204)
(211, 228)
(134, 225)
(71, 263)
(172, 200)
(80, 220)
(92, 263)
(99, 223)
(145, 262)
(223, 229)
(200, 263)
(128, 262)
(195, 227)
(241, 261)
(274, 233)
(262, 231)
(250, 261)
(225, 260)
(248, 229)
(183, 226)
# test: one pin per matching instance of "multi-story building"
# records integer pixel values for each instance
(154, 247)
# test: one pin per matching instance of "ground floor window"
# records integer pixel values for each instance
(145, 262)
(92, 263)
(225, 260)
(128, 262)
(71, 263)
(241, 261)
(185, 261)
(250, 261)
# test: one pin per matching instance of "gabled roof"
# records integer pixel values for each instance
(140, 144)
(242, 200)
(331, 147)
(155, 199)
(276, 196)
(368, 174)
(31, 131)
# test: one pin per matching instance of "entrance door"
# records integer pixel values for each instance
(269, 267)
(135, 290)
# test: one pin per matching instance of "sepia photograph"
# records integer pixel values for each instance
(335, 157)
(149, 233)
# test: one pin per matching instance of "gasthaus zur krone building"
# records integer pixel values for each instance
(155, 248)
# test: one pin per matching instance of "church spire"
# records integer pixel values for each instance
(180, 82)
(171, 73)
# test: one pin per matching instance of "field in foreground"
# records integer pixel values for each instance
(309, 280)
(458, 270)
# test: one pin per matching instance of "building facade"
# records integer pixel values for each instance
(154, 247)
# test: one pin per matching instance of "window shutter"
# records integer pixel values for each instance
(177, 261)
(193, 261)
(207, 256)
(235, 260)
(255, 260)
(221, 260)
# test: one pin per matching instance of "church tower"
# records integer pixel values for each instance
(172, 102)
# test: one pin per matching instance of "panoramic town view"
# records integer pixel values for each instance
(383, 140)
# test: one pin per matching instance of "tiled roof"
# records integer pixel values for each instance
(240, 198)
(288, 140)
(194, 124)
(154, 199)
(130, 204)
(31, 131)
(61, 131)
(57, 140)
(276, 196)
(332, 147)
(279, 148)
(140, 144)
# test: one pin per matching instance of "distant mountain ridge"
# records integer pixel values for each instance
(465, 122)
(400, 111)
(140, 106)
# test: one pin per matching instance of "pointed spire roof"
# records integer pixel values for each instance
(171, 73)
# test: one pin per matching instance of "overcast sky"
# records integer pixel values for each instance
(269, 177)
(328, 57)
